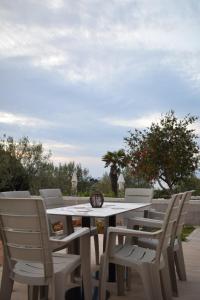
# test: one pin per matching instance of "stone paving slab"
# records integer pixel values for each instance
(189, 290)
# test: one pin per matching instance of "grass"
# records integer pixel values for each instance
(186, 231)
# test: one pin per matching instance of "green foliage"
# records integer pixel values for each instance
(133, 181)
(104, 185)
(161, 194)
(186, 231)
(190, 183)
(12, 173)
(167, 152)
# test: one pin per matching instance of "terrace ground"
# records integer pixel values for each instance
(189, 290)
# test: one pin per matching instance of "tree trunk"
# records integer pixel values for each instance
(113, 179)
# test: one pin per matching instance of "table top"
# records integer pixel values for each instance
(86, 210)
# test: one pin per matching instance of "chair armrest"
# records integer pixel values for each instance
(144, 222)
(68, 239)
(134, 233)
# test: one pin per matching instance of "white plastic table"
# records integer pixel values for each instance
(108, 211)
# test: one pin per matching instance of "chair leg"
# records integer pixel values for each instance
(86, 267)
(6, 282)
(60, 286)
(172, 271)
(151, 282)
(96, 246)
(103, 275)
(179, 262)
(44, 290)
(52, 293)
(120, 239)
(120, 270)
(33, 292)
(165, 283)
(128, 279)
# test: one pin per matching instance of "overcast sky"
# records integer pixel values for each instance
(77, 75)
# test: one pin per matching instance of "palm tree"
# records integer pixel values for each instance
(116, 160)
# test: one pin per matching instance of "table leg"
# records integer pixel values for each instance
(112, 269)
(86, 222)
(74, 247)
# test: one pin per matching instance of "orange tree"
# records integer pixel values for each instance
(167, 152)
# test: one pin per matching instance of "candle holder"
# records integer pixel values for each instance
(96, 199)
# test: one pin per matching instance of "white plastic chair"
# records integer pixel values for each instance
(53, 198)
(175, 250)
(136, 195)
(28, 257)
(150, 264)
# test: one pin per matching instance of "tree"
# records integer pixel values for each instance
(116, 160)
(24, 165)
(133, 181)
(167, 152)
(103, 185)
(190, 183)
(12, 173)
(28, 161)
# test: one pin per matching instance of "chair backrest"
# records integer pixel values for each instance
(24, 231)
(168, 224)
(182, 211)
(139, 195)
(52, 199)
(16, 194)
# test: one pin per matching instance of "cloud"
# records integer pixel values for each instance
(83, 44)
(55, 4)
(21, 120)
(140, 122)
(196, 127)
(57, 147)
(50, 61)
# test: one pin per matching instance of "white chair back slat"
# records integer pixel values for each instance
(26, 208)
(137, 195)
(24, 254)
(16, 194)
(29, 223)
(30, 239)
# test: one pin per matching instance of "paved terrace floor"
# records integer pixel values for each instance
(189, 290)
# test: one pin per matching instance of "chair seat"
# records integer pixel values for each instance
(132, 255)
(33, 273)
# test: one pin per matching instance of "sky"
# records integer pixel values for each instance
(77, 75)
